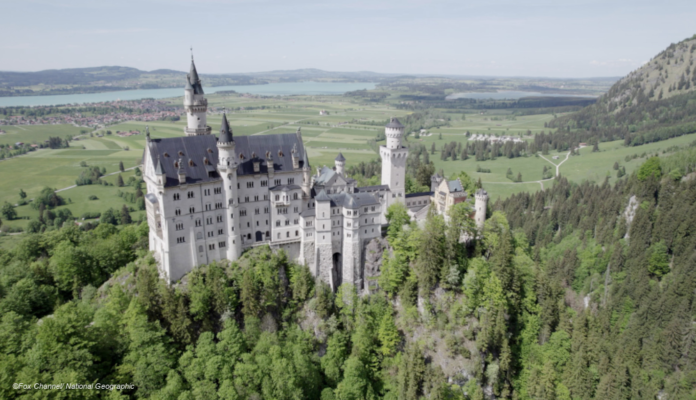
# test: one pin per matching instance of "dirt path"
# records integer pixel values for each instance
(558, 166)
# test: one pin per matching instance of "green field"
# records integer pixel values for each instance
(343, 130)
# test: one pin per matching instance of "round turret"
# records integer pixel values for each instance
(394, 131)
(340, 162)
(481, 205)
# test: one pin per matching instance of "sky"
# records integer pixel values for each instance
(534, 38)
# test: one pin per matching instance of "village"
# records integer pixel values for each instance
(107, 113)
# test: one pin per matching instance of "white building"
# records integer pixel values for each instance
(210, 198)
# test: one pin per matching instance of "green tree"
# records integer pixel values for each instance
(8, 211)
(120, 166)
(22, 194)
(651, 167)
(119, 181)
(125, 216)
(658, 264)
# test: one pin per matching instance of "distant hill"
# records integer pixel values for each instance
(668, 74)
(655, 102)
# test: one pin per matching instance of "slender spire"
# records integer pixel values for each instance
(159, 170)
(225, 131)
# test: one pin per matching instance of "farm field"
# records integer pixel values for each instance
(347, 129)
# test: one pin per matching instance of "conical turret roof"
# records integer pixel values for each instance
(225, 131)
(193, 74)
(340, 157)
(322, 196)
(159, 170)
(394, 123)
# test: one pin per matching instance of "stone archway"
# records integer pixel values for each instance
(337, 270)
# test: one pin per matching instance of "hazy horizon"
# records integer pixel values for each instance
(502, 38)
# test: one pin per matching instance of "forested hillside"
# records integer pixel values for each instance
(578, 292)
(655, 102)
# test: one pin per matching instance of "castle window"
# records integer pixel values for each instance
(237, 185)
(176, 164)
(295, 209)
(294, 196)
(220, 231)
(209, 221)
(241, 156)
(256, 198)
(295, 222)
(219, 218)
(210, 234)
(198, 222)
(249, 236)
(181, 153)
(246, 199)
(265, 210)
(190, 195)
(287, 234)
(181, 240)
(210, 150)
(199, 235)
(256, 211)
(176, 196)
(278, 223)
(287, 222)
(264, 183)
(242, 212)
(268, 234)
(373, 209)
(365, 209)
(297, 233)
(291, 181)
(211, 246)
(177, 212)
(278, 235)
(217, 190)
(277, 182)
(277, 197)
(250, 185)
(222, 244)
(192, 210)
(200, 249)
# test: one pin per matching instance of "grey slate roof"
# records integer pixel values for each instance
(419, 194)
(481, 192)
(351, 201)
(193, 148)
(225, 131)
(194, 80)
(310, 212)
(394, 123)
(376, 188)
(284, 188)
(455, 186)
(322, 196)
(279, 145)
(340, 157)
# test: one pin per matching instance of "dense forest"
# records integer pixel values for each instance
(577, 292)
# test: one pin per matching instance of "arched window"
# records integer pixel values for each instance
(200, 249)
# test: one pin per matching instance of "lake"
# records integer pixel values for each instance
(506, 94)
(271, 89)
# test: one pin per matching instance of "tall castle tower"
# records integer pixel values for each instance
(196, 105)
(227, 165)
(480, 207)
(340, 163)
(394, 161)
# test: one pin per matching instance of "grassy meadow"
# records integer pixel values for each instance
(346, 129)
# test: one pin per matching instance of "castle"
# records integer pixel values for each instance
(210, 198)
